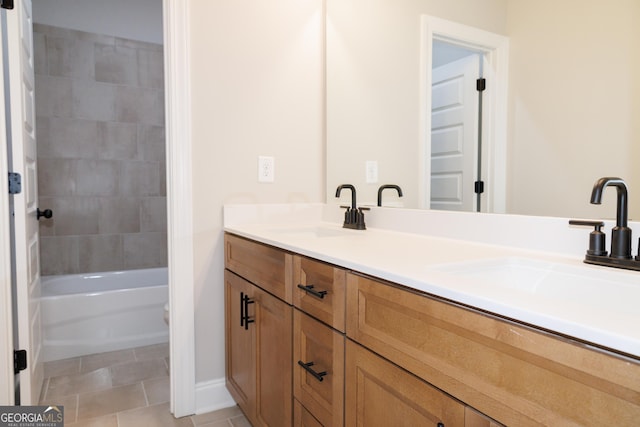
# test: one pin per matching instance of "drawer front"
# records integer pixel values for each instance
(380, 394)
(268, 267)
(319, 290)
(302, 417)
(322, 349)
(514, 374)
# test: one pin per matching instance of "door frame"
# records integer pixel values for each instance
(177, 59)
(495, 49)
(7, 391)
(179, 220)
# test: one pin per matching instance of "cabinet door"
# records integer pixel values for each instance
(240, 360)
(273, 329)
(319, 290)
(316, 343)
(302, 417)
(379, 393)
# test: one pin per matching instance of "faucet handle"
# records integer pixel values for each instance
(597, 239)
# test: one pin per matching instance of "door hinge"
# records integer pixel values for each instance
(15, 183)
(6, 4)
(481, 84)
(19, 360)
(479, 187)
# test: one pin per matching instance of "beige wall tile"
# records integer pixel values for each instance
(55, 96)
(100, 252)
(93, 100)
(100, 125)
(116, 64)
(58, 255)
(119, 215)
(145, 250)
(117, 140)
(153, 214)
(97, 177)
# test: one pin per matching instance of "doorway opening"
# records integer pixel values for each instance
(454, 174)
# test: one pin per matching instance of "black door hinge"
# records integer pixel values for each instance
(19, 360)
(6, 4)
(479, 187)
(481, 84)
(15, 183)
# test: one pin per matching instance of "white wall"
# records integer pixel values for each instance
(257, 78)
(131, 19)
(574, 110)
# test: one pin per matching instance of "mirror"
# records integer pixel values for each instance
(572, 103)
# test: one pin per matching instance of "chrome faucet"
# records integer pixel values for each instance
(621, 233)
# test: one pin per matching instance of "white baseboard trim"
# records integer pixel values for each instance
(212, 395)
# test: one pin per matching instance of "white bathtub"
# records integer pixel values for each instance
(98, 312)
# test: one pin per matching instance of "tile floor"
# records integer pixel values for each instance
(126, 388)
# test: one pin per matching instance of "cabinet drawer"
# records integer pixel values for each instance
(302, 417)
(268, 267)
(514, 374)
(378, 393)
(317, 344)
(319, 290)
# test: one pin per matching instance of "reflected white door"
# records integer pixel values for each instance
(454, 130)
(23, 156)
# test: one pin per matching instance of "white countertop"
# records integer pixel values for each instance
(436, 265)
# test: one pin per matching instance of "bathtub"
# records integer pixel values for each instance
(98, 312)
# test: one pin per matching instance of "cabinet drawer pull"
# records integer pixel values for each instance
(310, 289)
(440, 425)
(307, 367)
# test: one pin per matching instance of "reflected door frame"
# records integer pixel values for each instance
(495, 49)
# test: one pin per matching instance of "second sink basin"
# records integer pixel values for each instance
(606, 289)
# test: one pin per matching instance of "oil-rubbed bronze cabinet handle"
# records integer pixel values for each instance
(311, 290)
(247, 319)
(307, 367)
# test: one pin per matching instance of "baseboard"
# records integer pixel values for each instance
(212, 395)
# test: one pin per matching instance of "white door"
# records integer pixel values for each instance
(23, 157)
(454, 134)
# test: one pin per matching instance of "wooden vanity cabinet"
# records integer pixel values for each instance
(516, 375)
(259, 326)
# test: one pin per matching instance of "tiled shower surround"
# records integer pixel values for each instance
(101, 152)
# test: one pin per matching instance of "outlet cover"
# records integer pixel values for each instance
(371, 168)
(266, 169)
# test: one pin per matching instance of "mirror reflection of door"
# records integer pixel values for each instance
(455, 120)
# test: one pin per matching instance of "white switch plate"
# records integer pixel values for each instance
(266, 169)
(371, 168)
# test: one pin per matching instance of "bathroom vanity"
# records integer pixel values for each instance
(319, 337)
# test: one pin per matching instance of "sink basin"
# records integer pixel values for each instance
(600, 288)
(314, 231)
